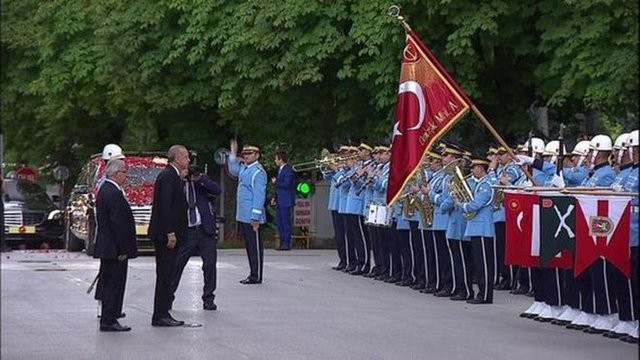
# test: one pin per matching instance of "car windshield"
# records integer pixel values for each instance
(137, 176)
(30, 193)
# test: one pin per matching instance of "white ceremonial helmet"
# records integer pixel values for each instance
(582, 148)
(112, 151)
(632, 139)
(537, 145)
(599, 143)
(620, 141)
(553, 149)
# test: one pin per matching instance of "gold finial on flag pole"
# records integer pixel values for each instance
(394, 11)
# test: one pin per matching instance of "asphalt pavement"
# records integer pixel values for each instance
(303, 310)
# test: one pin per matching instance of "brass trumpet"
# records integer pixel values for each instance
(458, 187)
(323, 163)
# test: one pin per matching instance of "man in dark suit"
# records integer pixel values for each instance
(285, 198)
(115, 244)
(168, 230)
(201, 234)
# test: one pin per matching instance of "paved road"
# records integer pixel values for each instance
(304, 310)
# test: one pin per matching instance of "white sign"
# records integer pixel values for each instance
(302, 213)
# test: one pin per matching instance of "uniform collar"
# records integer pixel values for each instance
(114, 184)
(601, 165)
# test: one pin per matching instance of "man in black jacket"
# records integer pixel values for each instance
(168, 230)
(115, 244)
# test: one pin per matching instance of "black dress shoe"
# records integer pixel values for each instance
(519, 291)
(210, 305)
(371, 275)
(349, 268)
(357, 272)
(248, 281)
(114, 327)
(478, 301)
(167, 321)
(613, 335)
(392, 280)
(418, 286)
(560, 322)
(405, 283)
(382, 277)
(529, 294)
(577, 327)
(629, 339)
(122, 314)
(592, 330)
(428, 290)
(460, 297)
(443, 293)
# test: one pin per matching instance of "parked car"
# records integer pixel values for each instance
(30, 217)
(80, 216)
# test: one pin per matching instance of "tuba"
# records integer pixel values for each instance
(412, 202)
(458, 187)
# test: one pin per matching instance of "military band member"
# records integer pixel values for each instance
(438, 194)
(333, 206)
(354, 208)
(481, 230)
(385, 236)
(343, 184)
(370, 172)
(250, 213)
(576, 168)
(432, 264)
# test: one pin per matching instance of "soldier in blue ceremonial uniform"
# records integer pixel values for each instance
(379, 196)
(627, 290)
(336, 170)
(343, 184)
(438, 194)
(598, 305)
(481, 230)
(575, 171)
(250, 213)
(432, 265)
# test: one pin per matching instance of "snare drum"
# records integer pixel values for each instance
(383, 215)
(372, 213)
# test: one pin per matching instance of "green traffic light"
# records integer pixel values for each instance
(304, 188)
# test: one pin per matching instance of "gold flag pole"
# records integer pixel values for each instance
(394, 11)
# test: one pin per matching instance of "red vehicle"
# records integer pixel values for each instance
(80, 217)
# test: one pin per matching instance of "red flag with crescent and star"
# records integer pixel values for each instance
(429, 103)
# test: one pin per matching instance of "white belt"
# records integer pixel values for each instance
(635, 209)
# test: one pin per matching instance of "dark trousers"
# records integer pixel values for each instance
(165, 263)
(622, 286)
(524, 278)
(406, 255)
(283, 219)
(374, 240)
(444, 261)
(357, 234)
(587, 301)
(384, 240)
(350, 241)
(255, 250)
(571, 290)
(432, 258)
(418, 252)
(341, 238)
(198, 242)
(603, 290)
(113, 276)
(550, 286)
(395, 264)
(463, 265)
(503, 272)
(483, 266)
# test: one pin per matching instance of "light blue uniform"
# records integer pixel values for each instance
(457, 222)
(603, 176)
(621, 178)
(437, 195)
(542, 176)
(631, 185)
(575, 176)
(482, 223)
(252, 188)
(334, 200)
(343, 186)
(380, 186)
(355, 198)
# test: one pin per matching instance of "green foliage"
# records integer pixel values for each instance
(147, 74)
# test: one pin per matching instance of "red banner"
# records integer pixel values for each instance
(521, 217)
(429, 103)
(603, 226)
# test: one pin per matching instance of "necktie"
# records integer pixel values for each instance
(191, 199)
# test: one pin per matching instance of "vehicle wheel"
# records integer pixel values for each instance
(72, 243)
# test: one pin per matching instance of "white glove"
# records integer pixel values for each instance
(557, 181)
(526, 184)
(523, 160)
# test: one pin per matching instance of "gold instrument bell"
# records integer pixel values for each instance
(324, 162)
(458, 187)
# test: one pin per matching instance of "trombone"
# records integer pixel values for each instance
(323, 163)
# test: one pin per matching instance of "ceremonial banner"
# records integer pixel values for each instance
(429, 102)
(557, 231)
(602, 230)
(522, 246)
